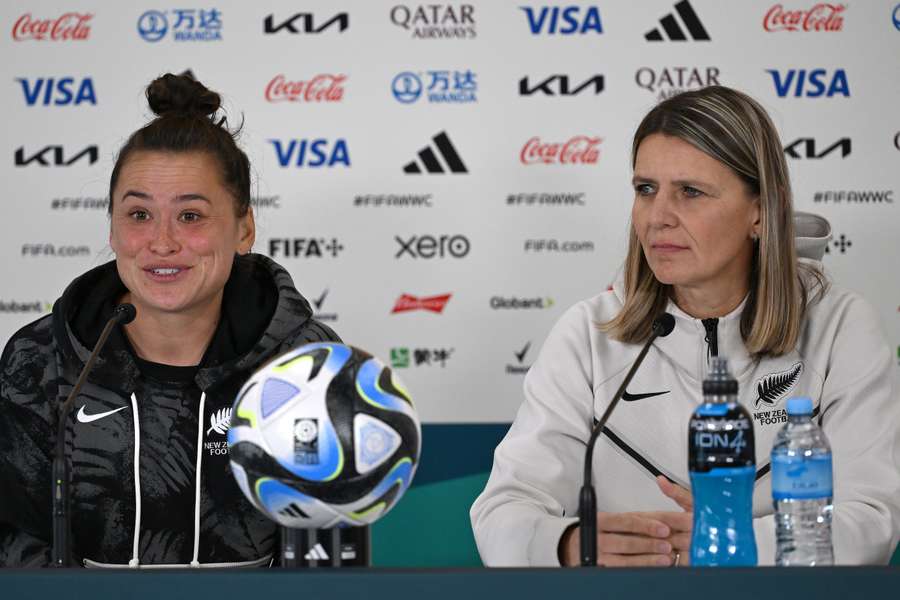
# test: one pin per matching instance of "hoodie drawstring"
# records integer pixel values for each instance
(135, 562)
(194, 561)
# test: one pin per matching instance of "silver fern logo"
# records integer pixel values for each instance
(220, 421)
(775, 386)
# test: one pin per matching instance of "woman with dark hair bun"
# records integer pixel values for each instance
(150, 478)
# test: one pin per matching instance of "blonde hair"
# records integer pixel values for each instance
(734, 129)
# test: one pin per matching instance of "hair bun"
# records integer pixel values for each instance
(181, 95)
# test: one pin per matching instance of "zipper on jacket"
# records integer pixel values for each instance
(712, 337)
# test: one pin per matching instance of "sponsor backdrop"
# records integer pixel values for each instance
(443, 180)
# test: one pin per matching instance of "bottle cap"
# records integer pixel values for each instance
(800, 406)
(719, 381)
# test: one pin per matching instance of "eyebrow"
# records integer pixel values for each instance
(679, 182)
(180, 198)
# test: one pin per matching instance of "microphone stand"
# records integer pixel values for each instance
(124, 313)
(587, 499)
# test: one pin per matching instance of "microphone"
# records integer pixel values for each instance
(122, 314)
(587, 499)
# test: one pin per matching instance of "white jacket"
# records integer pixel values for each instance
(841, 361)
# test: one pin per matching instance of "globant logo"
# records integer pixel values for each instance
(545, 199)
(854, 197)
(436, 21)
(580, 149)
(305, 247)
(393, 200)
(516, 303)
(188, 25)
(320, 88)
(553, 245)
(407, 303)
(311, 153)
(670, 81)
(71, 26)
(563, 20)
(63, 91)
(444, 87)
(403, 357)
(814, 83)
(821, 17)
(13, 306)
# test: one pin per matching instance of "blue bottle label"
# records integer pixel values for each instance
(801, 477)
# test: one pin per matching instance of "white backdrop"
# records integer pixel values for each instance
(465, 363)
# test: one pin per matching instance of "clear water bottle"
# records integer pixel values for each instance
(802, 490)
(722, 464)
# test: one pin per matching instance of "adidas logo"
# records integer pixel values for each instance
(429, 158)
(674, 31)
(317, 552)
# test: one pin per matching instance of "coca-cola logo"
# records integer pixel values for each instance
(821, 17)
(407, 302)
(580, 149)
(69, 26)
(321, 88)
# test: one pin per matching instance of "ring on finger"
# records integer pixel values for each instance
(677, 558)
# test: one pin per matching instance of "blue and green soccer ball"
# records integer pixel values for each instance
(324, 436)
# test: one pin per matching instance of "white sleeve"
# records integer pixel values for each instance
(861, 418)
(532, 494)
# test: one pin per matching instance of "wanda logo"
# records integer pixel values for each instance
(580, 149)
(821, 17)
(321, 88)
(435, 304)
(70, 26)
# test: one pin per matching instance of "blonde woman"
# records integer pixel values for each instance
(714, 241)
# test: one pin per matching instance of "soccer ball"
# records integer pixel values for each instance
(324, 436)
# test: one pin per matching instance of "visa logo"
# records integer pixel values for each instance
(58, 92)
(814, 83)
(311, 153)
(563, 20)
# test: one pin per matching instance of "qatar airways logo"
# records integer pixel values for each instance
(321, 88)
(578, 150)
(821, 17)
(407, 303)
(69, 26)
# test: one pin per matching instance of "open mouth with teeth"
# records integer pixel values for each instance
(165, 273)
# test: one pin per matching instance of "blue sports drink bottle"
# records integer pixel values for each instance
(722, 465)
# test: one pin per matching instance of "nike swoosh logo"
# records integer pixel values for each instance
(632, 397)
(83, 417)
(521, 355)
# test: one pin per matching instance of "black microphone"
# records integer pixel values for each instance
(123, 314)
(587, 499)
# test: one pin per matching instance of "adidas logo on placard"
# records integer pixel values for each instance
(429, 158)
(674, 31)
(317, 552)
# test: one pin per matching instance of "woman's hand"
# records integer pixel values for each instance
(631, 539)
(681, 528)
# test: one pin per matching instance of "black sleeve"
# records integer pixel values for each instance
(25, 451)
